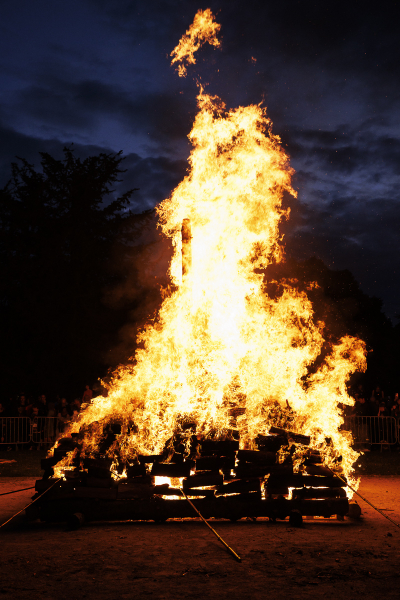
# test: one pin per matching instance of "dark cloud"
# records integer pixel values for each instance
(81, 105)
(154, 176)
(97, 72)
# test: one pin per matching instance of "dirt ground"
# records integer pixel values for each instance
(182, 559)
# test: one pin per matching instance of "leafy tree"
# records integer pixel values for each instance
(61, 230)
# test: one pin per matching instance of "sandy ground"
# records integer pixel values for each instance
(182, 559)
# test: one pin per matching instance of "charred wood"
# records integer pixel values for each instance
(246, 470)
(257, 456)
(172, 470)
(270, 443)
(99, 473)
(318, 493)
(298, 481)
(219, 448)
(318, 470)
(151, 458)
(324, 508)
(135, 490)
(238, 486)
(102, 463)
(215, 463)
(136, 470)
(298, 438)
(203, 480)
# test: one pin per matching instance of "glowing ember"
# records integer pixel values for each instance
(221, 346)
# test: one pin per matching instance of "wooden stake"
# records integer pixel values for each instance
(186, 233)
(213, 530)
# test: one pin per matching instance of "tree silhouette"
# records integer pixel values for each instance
(61, 230)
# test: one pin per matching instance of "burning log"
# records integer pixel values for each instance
(135, 490)
(172, 470)
(318, 493)
(270, 443)
(280, 482)
(317, 470)
(99, 463)
(152, 458)
(219, 448)
(138, 470)
(199, 493)
(239, 486)
(246, 470)
(99, 473)
(313, 457)
(207, 479)
(256, 456)
(215, 463)
(324, 508)
(298, 438)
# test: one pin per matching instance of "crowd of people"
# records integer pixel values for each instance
(58, 412)
(375, 404)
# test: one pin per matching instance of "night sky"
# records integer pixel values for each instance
(96, 73)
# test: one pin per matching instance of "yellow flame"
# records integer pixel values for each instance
(203, 29)
(220, 342)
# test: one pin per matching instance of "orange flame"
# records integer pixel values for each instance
(203, 29)
(220, 342)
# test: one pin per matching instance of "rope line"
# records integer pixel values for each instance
(365, 499)
(213, 530)
(15, 491)
(30, 503)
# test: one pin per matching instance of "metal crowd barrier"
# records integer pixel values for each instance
(45, 430)
(27, 430)
(373, 430)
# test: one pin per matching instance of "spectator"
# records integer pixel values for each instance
(42, 405)
(29, 406)
(395, 410)
(49, 432)
(382, 410)
(373, 408)
(76, 405)
(360, 406)
(64, 404)
(35, 428)
(63, 418)
(22, 404)
(87, 395)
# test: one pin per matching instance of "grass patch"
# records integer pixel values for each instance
(27, 463)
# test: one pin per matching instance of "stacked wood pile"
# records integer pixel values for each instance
(221, 480)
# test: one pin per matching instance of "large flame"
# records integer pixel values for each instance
(203, 29)
(220, 343)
